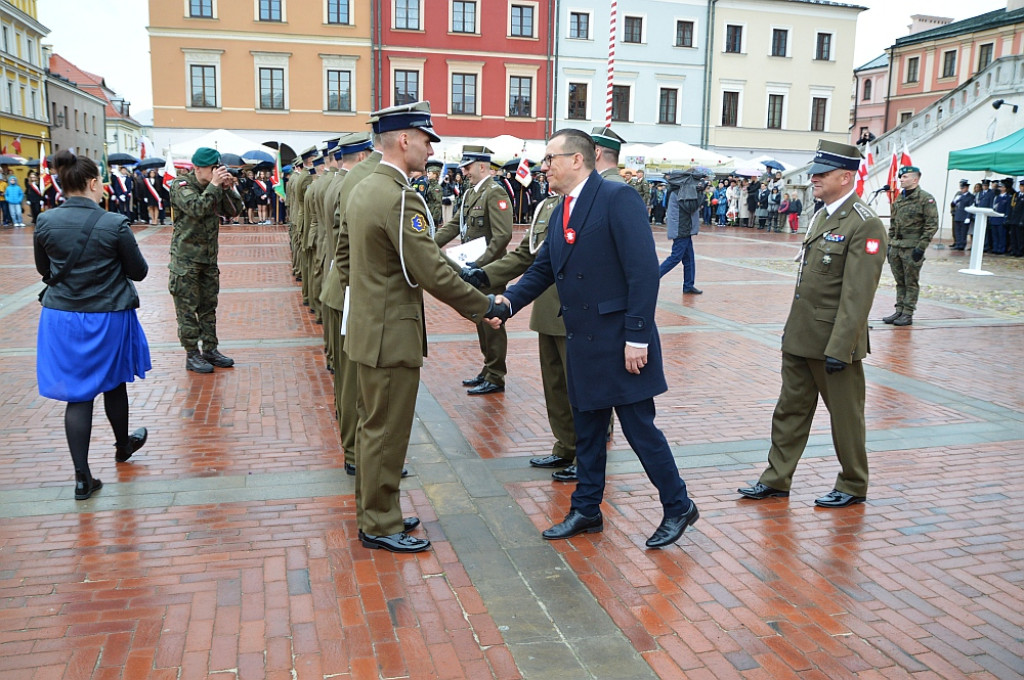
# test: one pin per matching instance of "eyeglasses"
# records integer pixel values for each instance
(547, 159)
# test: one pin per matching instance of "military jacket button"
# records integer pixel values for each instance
(561, 276)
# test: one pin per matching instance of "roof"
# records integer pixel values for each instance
(91, 83)
(982, 22)
(878, 62)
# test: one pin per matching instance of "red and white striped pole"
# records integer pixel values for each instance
(611, 62)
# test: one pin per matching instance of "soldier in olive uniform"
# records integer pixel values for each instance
(199, 200)
(643, 187)
(392, 261)
(434, 195)
(486, 211)
(300, 178)
(608, 144)
(826, 334)
(307, 232)
(915, 219)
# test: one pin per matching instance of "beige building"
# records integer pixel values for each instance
(23, 120)
(779, 76)
(263, 70)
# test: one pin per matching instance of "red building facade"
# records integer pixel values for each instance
(485, 73)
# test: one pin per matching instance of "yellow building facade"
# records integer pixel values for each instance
(23, 118)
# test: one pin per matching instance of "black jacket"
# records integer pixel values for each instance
(111, 260)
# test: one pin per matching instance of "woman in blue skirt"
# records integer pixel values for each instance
(90, 340)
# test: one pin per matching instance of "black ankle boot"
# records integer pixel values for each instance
(85, 485)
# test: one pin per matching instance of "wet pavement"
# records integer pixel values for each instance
(227, 547)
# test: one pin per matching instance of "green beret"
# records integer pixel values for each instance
(909, 168)
(204, 157)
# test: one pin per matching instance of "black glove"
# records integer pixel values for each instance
(833, 365)
(502, 311)
(918, 254)
(471, 265)
(475, 277)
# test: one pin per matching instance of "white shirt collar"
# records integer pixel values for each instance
(832, 207)
(480, 184)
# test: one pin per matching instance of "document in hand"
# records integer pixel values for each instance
(469, 251)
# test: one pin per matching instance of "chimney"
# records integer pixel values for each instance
(1014, 5)
(923, 22)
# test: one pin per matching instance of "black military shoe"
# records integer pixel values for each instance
(473, 382)
(196, 362)
(574, 523)
(486, 387)
(136, 440)
(838, 499)
(217, 359)
(892, 317)
(549, 461)
(566, 475)
(760, 491)
(397, 543)
(904, 320)
(671, 528)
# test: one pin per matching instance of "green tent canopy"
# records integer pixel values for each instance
(1003, 156)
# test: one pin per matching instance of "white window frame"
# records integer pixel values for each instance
(820, 93)
(394, 10)
(476, 17)
(831, 46)
(679, 102)
(350, 16)
(743, 38)
(628, 79)
(256, 13)
(202, 57)
(696, 32)
(906, 69)
(789, 40)
(534, 34)
(590, 23)
(404, 64)
(942, 62)
(472, 68)
(271, 60)
(339, 62)
(777, 89)
(579, 77)
(738, 87)
(187, 11)
(643, 31)
(521, 71)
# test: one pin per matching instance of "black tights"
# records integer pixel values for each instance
(78, 425)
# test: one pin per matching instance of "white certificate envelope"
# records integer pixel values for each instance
(471, 251)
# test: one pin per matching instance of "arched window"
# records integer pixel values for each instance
(867, 90)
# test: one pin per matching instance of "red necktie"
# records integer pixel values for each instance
(570, 234)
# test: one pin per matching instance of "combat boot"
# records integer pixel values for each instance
(217, 359)
(904, 320)
(196, 362)
(892, 317)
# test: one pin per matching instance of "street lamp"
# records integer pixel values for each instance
(999, 102)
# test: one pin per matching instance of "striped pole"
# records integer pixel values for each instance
(611, 62)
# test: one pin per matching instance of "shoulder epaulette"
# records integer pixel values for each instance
(864, 211)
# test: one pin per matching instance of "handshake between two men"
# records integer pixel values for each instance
(500, 311)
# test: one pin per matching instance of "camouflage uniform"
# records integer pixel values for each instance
(915, 219)
(433, 197)
(194, 279)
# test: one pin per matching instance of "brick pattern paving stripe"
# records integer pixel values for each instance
(226, 548)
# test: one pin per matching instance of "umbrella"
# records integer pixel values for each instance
(151, 163)
(265, 165)
(258, 156)
(122, 159)
(232, 159)
(287, 153)
(12, 160)
(774, 165)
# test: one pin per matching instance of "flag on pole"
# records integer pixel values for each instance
(523, 175)
(169, 172)
(277, 176)
(894, 167)
(17, 145)
(905, 156)
(862, 171)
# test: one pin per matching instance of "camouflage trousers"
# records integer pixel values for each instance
(194, 288)
(907, 274)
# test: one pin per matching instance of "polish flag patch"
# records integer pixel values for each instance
(871, 246)
(503, 205)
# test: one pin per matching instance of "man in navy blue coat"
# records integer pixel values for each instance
(600, 256)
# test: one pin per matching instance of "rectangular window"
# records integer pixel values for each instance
(684, 34)
(579, 25)
(407, 87)
(620, 103)
(272, 88)
(339, 90)
(464, 93)
(913, 64)
(734, 39)
(780, 42)
(202, 9)
(949, 64)
(270, 10)
(30, 50)
(5, 46)
(522, 21)
(818, 108)
(775, 102)
(984, 56)
(905, 116)
(519, 89)
(867, 91)
(633, 30)
(730, 108)
(203, 86)
(823, 47)
(577, 101)
(338, 12)
(667, 106)
(407, 14)
(463, 17)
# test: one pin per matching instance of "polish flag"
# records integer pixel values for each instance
(169, 172)
(862, 172)
(523, 175)
(894, 187)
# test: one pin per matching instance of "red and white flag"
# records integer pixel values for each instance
(865, 164)
(44, 170)
(169, 173)
(894, 168)
(523, 175)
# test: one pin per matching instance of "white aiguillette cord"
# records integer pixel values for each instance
(401, 233)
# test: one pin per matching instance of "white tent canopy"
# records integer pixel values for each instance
(222, 140)
(683, 155)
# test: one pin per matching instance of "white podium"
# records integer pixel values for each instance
(978, 241)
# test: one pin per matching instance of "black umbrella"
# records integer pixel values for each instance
(287, 153)
(264, 165)
(151, 163)
(11, 160)
(231, 159)
(122, 159)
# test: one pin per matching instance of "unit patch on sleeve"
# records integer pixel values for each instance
(419, 223)
(503, 205)
(871, 246)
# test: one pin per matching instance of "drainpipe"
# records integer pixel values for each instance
(709, 52)
(375, 66)
(549, 124)
(888, 91)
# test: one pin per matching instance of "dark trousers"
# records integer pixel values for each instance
(960, 234)
(682, 251)
(998, 237)
(646, 440)
(1016, 234)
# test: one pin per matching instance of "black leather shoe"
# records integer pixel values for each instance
(671, 528)
(566, 475)
(350, 470)
(195, 362)
(218, 359)
(693, 291)
(136, 440)
(473, 382)
(410, 523)
(396, 543)
(574, 523)
(549, 462)
(838, 499)
(486, 387)
(892, 317)
(759, 492)
(85, 487)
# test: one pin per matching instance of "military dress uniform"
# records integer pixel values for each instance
(326, 245)
(612, 175)
(486, 211)
(307, 234)
(194, 278)
(392, 261)
(915, 219)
